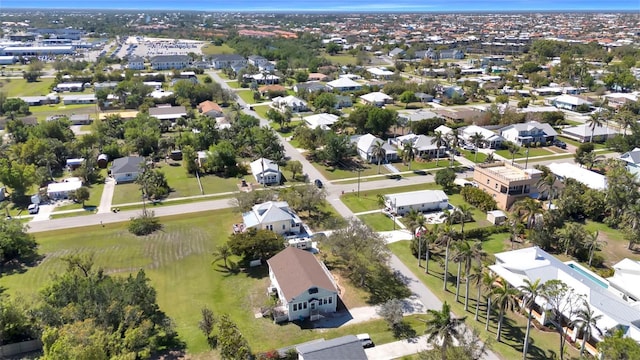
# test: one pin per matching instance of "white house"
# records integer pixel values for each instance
(632, 158)
(376, 99)
(422, 201)
(617, 311)
(126, 168)
(295, 104)
(589, 178)
(79, 99)
(63, 189)
(323, 121)
(626, 277)
(365, 145)
(422, 144)
(304, 286)
(443, 129)
(379, 73)
(569, 102)
(490, 139)
(223, 61)
(170, 113)
(168, 62)
(266, 171)
(530, 132)
(344, 84)
(136, 63)
(583, 133)
(273, 215)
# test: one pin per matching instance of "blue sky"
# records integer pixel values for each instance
(333, 5)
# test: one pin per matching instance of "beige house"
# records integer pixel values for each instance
(507, 183)
(273, 215)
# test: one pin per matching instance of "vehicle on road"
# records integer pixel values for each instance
(365, 340)
(33, 209)
(318, 183)
(561, 144)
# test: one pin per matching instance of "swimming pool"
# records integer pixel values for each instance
(586, 274)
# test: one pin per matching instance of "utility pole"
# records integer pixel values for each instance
(359, 171)
(526, 162)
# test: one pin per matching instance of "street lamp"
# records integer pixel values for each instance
(526, 163)
(395, 206)
(359, 171)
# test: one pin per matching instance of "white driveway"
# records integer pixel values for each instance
(107, 196)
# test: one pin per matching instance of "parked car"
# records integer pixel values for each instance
(560, 144)
(469, 147)
(318, 184)
(365, 340)
(33, 209)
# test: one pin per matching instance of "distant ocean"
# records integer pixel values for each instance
(333, 5)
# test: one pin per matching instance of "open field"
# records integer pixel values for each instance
(341, 59)
(211, 49)
(480, 158)
(20, 87)
(424, 165)
(378, 221)
(368, 199)
(332, 173)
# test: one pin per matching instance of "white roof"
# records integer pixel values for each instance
(67, 185)
(366, 142)
(376, 97)
(269, 166)
(269, 212)
(585, 131)
(591, 179)
(380, 72)
(627, 276)
(265, 77)
(571, 100)
(343, 82)
(289, 100)
(323, 120)
(632, 97)
(444, 130)
(79, 97)
(417, 197)
(486, 133)
(159, 94)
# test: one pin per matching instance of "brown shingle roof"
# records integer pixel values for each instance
(298, 270)
(207, 106)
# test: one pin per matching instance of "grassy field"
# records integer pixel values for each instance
(523, 153)
(377, 221)
(262, 110)
(481, 157)
(247, 96)
(233, 84)
(20, 87)
(341, 59)
(577, 143)
(424, 165)
(368, 199)
(545, 158)
(332, 173)
(544, 344)
(211, 49)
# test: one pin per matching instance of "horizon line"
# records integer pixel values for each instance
(327, 11)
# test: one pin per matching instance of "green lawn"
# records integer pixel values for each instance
(377, 221)
(577, 143)
(522, 153)
(544, 344)
(233, 84)
(341, 59)
(64, 109)
(211, 49)
(262, 110)
(247, 96)
(545, 158)
(368, 199)
(481, 157)
(332, 173)
(424, 165)
(95, 194)
(20, 87)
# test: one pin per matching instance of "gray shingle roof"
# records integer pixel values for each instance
(129, 164)
(342, 348)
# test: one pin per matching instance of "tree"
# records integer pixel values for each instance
(82, 194)
(476, 140)
(325, 102)
(15, 243)
(445, 178)
(337, 148)
(15, 105)
(531, 291)
(153, 184)
(295, 167)
(391, 312)
(231, 344)
(189, 159)
(562, 301)
(616, 346)
(593, 244)
(439, 139)
(17, 176)
(571, 237)
(222, 252)
(207, 324)
(513, 150)
(547, 184)
(594, 121)
(332, 48)
(453, 140)
(626, 119)
(489, 280)
(506, 297)
(256, 244)
(527, 209)
(408, 153)
(144, 224)
(441, 326)
(407, 97)
(585, 321)
(378, 152)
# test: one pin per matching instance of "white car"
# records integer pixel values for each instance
(365, 340)
(468, 147)
(33, 209)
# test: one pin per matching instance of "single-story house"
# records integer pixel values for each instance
(379, 73)
(422, 144)
(376, 99)
(263, 78)
(304, 286)
(310, 87)
(424, 97)
(345, 347)
(323, 121)
(73, 87)
(210, 108)
(344, 84)
(63, 189)
(80, 119)
(273, 215)
(317, 77)
(569, 102)
(266, 171)
(291, 102)
(443, 129)
(52, 98)
(422, 201)
(632, 158)
(272, 89)
(343, 101)
(529, 132)
(126, 168)
(79, 99)
(490, 140)
(365, 145)
(583, 133)
(582, 175)
(171, 113)
(26, 120)
(417, 115)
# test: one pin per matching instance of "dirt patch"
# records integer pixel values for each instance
(616, 250)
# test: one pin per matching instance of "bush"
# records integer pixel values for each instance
(478, 198)
(145, 224)
(485, 232)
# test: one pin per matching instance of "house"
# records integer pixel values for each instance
(135, 63)
(210, 108)
(458, 116)
(625, 277)
(569, 102)
(266, 171)
(63, 190)
(71, 87)
(224, 61)
(587, 177)
(304, 286)
(507, 183)
(310, 87)
(632, 158)
(417, 115)
(453, 91)
(317, 77)
(443, 129)
(424, 146)
(490, 139)
(159, 94)
(365, 145)
(257, 60)
(26, 120)
(344, 84)
(52, 98)
(343, 101)
(272, 90)
(170, 113)
(80, 119)
(263, 78)
(421, 201)
(79, 99)
(170, 62)
(126, 169)
(397, 52)
(73, 164)
(530, 132)
(275, 216)
(105, 85)
(323, 121)
(376, 99)
(583, 133)
(289, 102)
(612, 308)
(380, 73)
(347, 347)
(422, 97)
(451, 54)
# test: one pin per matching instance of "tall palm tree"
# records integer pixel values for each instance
(476, 140)
(454, 141)
(631, 219)
(592, 243)
(530, 291)
(408, 153)
(446, 238)
(594, 121)
(506, 297)
(513, 150)
(476, 279)
(463, 212)
(378, 152)
(434, 236)
(586, 320)
(466, 252)
(381, 201)
(489, 280)
(438, 139)
(419, 224)
(527, 208)
(547, 184)
(443, 327)
(626, 119)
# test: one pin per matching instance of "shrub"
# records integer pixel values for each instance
(478, 198)
(145, 224)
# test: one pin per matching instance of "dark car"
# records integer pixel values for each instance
(318, 184)
(560, 144)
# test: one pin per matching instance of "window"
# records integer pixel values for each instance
(283, 226)
(304, 305)
(487, 181)
(496, 185)
(295, 307)
(330, 300)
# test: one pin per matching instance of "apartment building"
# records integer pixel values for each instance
(507, 183)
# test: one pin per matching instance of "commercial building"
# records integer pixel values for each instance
(507, 183)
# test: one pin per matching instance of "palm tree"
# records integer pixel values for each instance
(547, 184)
(527, 208)
(466, 252)
(454, 141)
(592, 243)
(594, 121)
(434, 236)
(408, 153)
(571, 237)
(586, 320)
(378, 152)
(626, 119)
(530, 291)
(222, 252)
(631, 219)
(464, 212)
(506, 297)
(513, 150)
(515, 227)
(476, 140)
(476, 278)
(443, 327)
(489, 280)
(591, 159)
(419, 223)
(381, 201)
(447, 236)
(491, 158)
(438, 139)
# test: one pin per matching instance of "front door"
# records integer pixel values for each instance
(312, 305)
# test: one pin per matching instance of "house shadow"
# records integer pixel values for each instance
(328, 320)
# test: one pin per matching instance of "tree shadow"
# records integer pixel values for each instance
(385, 285)
(404, 331)
(20, 266)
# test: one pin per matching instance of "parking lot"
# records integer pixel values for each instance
(144, 46)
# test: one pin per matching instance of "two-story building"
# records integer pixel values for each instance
(225, 61)
(273, 215)
(507, 183)
(530, 132)
(169, 62)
